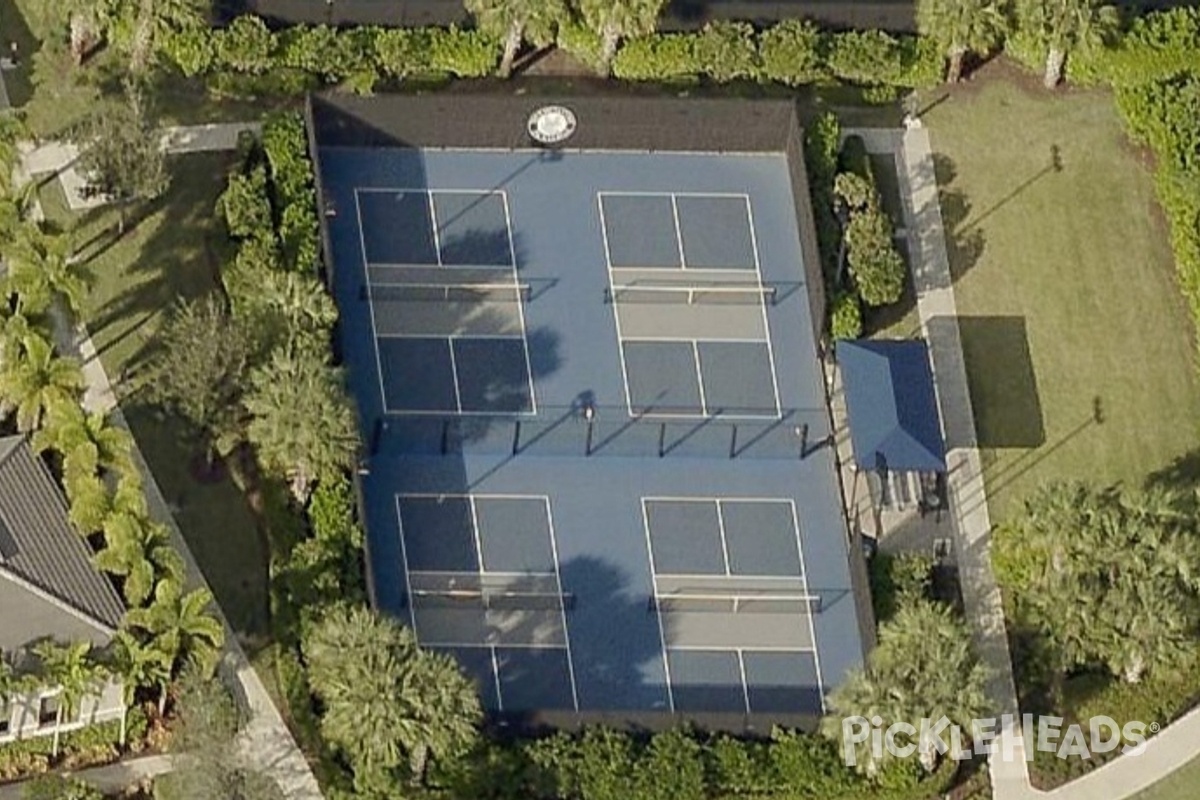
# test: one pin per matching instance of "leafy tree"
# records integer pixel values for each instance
(245, 205)
(509, 20)
(791, 52)
(302, 423)
(1060, 26)
(614, 20)
(961, 27)
(70, 668)
(36, 380)
(728, 50)
(141, 27)
(877, 268)
(199, 369)
(247, 45)
(139, 551)
(922, 668)
(1136, 556)
(122, 152)
(389, 706)
(138, 664)
(181, 626)
(42, 270)
(208, 722)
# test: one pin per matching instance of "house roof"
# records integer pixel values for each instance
(892, 406)
(41, 554)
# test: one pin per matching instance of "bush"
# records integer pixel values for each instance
(658, 57)
(401, 52)
(244, 204)
(877, 268)
(581, 42)
(865, 57)
(845, 317)
(897, 580)
(1157, 46)
(821, 144)
(791, 53)
(727, 51)
(463, 54)
(285, 144)
(247, 45)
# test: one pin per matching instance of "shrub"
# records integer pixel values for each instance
(791, 53)
(821, 143)
(462, 53)
(401, 52)
(855, 191)
(658, 57)
(877, 268)
(809, 766)
(727, 51)
(581, 42)
(845, 318)
(247, 45)
(191, 49)
(671, 768)
(286, 147)
(865, 57)
(244, 204)
(1157, 45)
(897, 580)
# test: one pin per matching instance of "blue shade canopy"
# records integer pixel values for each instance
(892, 406)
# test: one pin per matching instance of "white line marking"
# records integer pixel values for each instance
(763, 307)
(437, 240)
(512, 252)
(616, 311)
(370, 307)
(812, 628)
(707, 648)
(699, 378)
(487, 573)
(562, 605)
(678, 231)
(503, 645)
(411, 600)
(745, 684)
(479, 495)
(496, 678)
(454, 373)
(511, 337)
(724, 544)
(475, 534)
(662, 636)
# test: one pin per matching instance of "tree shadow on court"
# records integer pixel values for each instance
(964, 244)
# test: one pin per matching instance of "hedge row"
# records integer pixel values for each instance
(1165, 114)
(793, 53)
(602, 763)
(304, 56)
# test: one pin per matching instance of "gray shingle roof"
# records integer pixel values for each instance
(39, 548)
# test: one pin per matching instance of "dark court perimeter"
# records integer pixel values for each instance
(596, 466)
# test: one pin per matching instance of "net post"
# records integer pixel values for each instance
(733, 440)
(803, 441)
(516, 442)
(662, 439)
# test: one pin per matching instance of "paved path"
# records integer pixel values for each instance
(1123, 776)
(109, 778)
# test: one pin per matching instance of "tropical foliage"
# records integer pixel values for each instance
(1060, 27)
(961, 28)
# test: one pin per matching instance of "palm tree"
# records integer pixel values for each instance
(614, 20)
(140, 551)
(302, 424)
(42, 269)
(299, 302)
(387, 703)
(922, 668)
(180, 626)
(1062, 26)
(37, 380)
(960, 27)
(137, 663)
(69, 428)
(508, 20)
(70, 668)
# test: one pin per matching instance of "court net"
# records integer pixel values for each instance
(446, 292)
(493, 599)
(691, 295)
(773, 602)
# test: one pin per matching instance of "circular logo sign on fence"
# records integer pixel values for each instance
(551, 124)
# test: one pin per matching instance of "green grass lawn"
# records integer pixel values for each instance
(1179, 785)
(1080, 353)
(171, 248)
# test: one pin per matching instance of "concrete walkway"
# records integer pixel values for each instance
(110, 778)
(1123, 776)
(266, 743)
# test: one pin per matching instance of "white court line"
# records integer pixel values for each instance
(370, 307)
(475, 534)
(812, 628)
(662, 636)
(636, 193)
(692, 339)
(496, 678)
(562, 607)
(454, 373)
(763, 307)
(716, 576)
(742, 672)
(707, 648)
(506, 336)
(412, 607)
(678, 232)
(494, 573)
(512, 252)
(437, 242)
(479, 495)
(699, 378)
(413, 266)
(501, 646)
(724, 543)
(616, 311)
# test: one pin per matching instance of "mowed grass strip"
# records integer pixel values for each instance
(172, 247)
(1080, 351)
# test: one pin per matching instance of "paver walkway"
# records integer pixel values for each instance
(266, 742)
(1123, 776)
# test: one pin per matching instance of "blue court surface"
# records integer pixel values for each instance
(596, 469)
